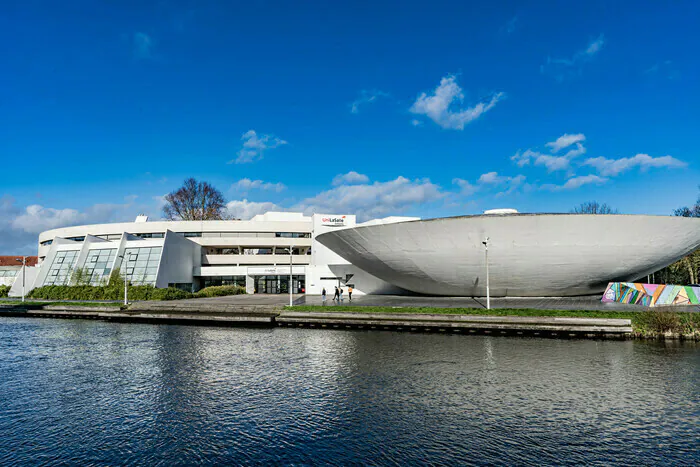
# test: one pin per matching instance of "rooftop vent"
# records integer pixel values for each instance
(501, 211)
(141, 218)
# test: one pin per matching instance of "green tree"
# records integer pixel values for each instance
(685, 270)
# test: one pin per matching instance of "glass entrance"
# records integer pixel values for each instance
(279, 284)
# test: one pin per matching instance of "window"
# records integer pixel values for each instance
(292, 235)
(212, 281)
(142, 265)
(8, 273)
(150, 235)
(76, 239)
(193, 234)
(257, 251)
(60, 271)
(98, 264)
(46, 243)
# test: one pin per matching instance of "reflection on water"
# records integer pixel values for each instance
(93, 392)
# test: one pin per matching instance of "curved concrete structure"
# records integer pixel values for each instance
(530, 255)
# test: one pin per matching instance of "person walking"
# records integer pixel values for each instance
(336, 295)
(350, 293)
(323, 295)
(341, 295)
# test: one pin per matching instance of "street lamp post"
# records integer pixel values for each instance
(291, 280)
(24, 276)
(486, 258)
(126, 280)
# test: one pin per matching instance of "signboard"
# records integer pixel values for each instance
(275, 270)
(333, 221)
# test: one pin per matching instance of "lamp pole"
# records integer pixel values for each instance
(24, 265)
(486, 258)
(126, 280)
(291, 282)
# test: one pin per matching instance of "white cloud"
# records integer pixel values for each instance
(244, 209)
(373, 200)
(439, 106)
(350, 178)
(246, 184)
(564, 141)
(465, 187)
(576, 182)
(255, 145)
(551, 162)
(416, 122)
(612, 167)
(562, 67)
(366, 97)
(490, 179)
(143, 45)
(595, 46)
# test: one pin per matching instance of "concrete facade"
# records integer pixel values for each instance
(195, 254)
(529, 255)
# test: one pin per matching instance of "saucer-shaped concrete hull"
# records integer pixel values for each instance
(530, 255)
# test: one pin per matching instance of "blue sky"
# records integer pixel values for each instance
(376, 108)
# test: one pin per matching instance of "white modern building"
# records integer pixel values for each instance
(257, 254)
(528, 254)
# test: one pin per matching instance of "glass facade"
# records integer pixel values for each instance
(279, 284)
(98, 265)
(60, 271)
(141, 264)
(211, 281)
(9, 272)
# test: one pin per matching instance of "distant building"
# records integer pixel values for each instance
(11, 267)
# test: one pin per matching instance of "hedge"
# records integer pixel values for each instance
(136, 292)
(220, 291)
(4, 290)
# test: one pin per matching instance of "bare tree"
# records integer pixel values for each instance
(594, 207)
(194, 201)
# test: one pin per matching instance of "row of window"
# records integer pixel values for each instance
(212, 281)
(256, 251)
(246, 234)
(196, 234)
(9, 273)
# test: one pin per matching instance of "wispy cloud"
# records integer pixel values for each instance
(366, 97)
(564, 141)
(576, 182)
(350, 178)
(375, 199)
(562, 67)
(244, 209)
(254, 146)
(664, 69)
(442, 105)
(613, 167)
(142, 45)
(510, 26)
(490, 179)
(246, 184)
(552, 162)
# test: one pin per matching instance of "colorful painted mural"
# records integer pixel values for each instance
(651, 294)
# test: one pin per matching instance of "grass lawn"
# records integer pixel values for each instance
(468, 311)
(643, 322)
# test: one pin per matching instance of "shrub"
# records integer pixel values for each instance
(4, 290)
(170, 293)
(220, 291)
(660, 321)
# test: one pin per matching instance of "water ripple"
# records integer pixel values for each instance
(94, 393)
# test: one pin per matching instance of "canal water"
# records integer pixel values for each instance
(96, 393)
